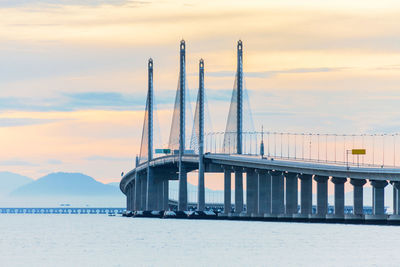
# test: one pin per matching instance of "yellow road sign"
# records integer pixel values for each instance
(358, 151)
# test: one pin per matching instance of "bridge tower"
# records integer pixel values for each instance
(182, 199)
(239, 128)
(239, 100)
(201, 189)
(150, 194)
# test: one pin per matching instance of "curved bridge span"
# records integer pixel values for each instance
(278, 174)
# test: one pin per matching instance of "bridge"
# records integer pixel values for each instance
(277, 169)
(61, 210)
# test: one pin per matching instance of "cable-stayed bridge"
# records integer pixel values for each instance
(271, 164)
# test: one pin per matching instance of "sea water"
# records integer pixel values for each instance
(100, 240)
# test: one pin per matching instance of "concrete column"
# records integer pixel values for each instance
(160, 199)
(182, 198)
(238, 190)
(133, 196)
(264, 192)
(378, 196)
(227, 190)
(128, 197)
(322, 194)
(396, 206)
(151, 195)
(277, 206)
(395, 198)
(339, 195)
(143, 193)
(358, 208)
(166, 194)
(305, 194)
(138, 191)
(291, 192)
(251, 192)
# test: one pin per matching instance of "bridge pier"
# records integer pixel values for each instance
(238, 190)
(143, 192)
(182, 198)
(166, 194)
(305, 195)
(159, 186)
(128, 198)
(378, 191)
(396, 187)
(339, 195)
(291, 193)
(358, 207)
(277, 206)
(322, 195)
(151, 192)
(227, 190)
(264, 192)
(138, 191)
(251, 192)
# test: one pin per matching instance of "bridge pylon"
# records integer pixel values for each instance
(200, 110)
(150, 179)
(182, 199)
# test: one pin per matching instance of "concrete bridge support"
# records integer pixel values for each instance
(160, 185)
(227, 190)
(264, 192)
(132, 198)
(138, 191)
(143, 193)
(252, 192)
(339, 195)
(305, 194)
(151, 195)
(238, 190)
(277, 206)
(322, 195)
(291, 193)
(128, 197)
(358, 207)
(182, 198)
(396, 205)
(378, 205)
(166, 194)
(395, 193)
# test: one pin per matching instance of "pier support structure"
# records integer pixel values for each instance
(339, 195)
(305, 194)
(322, 195)
(378, 191)
(358, 195)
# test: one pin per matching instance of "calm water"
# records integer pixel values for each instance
(97, 240)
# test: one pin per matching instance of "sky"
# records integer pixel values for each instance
(73, 74)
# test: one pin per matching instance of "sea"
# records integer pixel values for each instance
(101, 240)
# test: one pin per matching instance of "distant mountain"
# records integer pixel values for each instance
(11, 181)
(116, 184)
(66, 184)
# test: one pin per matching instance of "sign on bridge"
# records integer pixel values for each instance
(358, 151)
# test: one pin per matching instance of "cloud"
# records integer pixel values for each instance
(15, 122)
(54, 162)
(55, 3)
(108, 158)
(16, 162)
(69, 102)
(268, 74)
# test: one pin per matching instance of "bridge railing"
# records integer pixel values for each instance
(382, 150)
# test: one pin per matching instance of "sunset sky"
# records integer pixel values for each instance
(73, 73)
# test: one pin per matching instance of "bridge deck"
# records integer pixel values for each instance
(246, 161)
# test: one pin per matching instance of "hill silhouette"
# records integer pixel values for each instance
(66, 184)
(11, 181)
